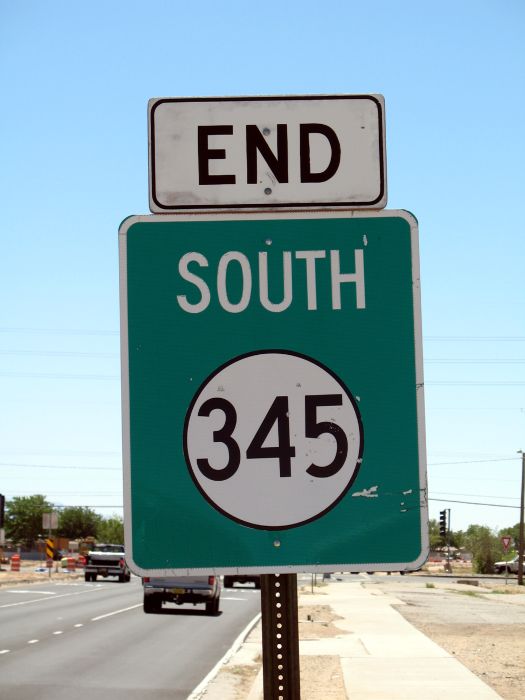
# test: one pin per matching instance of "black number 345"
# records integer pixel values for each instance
(284, 450)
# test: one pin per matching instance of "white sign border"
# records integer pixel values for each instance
(420, 398)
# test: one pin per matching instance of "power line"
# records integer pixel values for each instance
(475, 408)
(442, 500)
(38, 375)
(59, 331)
(474, 383)
(57, 466)
(473, 503)
(59, 353)
(476, 337)
(113, 377)
(56, 505)
(491, 361)
(431, 360)
(475, 461)
(75, 466)
(476, 495)
(69, 453)
(478, 478)
(61, 494)
(98, 331)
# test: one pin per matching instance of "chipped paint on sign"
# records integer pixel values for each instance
(367, 493)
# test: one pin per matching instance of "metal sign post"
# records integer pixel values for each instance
(505, 542)
(50, 522)
(280, 637)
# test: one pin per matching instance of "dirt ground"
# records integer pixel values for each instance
(495, 653)
(321, 676)
(27, 574)
(482, 627)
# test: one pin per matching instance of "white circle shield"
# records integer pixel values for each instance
(273, 439)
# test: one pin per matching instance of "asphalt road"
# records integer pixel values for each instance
(92, 640)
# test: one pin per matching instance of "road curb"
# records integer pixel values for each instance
(199, 691)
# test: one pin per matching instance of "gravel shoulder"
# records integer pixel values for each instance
(27, 574)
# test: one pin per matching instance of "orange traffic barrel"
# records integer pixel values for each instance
(15, 562)
(71, 563)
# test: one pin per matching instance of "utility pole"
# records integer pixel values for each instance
(2, 531)
(522, 527)
(449, 565)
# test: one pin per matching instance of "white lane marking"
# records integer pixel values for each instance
(15, 590)
(58, 632)
(79, 624)
(32, 641)
(201, 688)
(225, 598)
(39, 600)
(116, 612)
(5, 651)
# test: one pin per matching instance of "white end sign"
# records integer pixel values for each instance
(253, 152)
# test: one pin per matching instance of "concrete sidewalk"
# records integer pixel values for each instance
(382, 656)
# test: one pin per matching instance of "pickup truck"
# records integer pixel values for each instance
(181, 589)
(511, 566)
(106, 560)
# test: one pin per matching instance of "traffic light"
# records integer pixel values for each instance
(443, 523)
(2, 509)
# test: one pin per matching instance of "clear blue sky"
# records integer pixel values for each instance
(75, 83)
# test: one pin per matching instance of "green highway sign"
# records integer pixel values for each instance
(272, 390)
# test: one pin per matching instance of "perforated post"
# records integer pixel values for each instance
(280, 637)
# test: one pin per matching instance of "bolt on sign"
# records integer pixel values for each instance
(267, 152)
(272, 392)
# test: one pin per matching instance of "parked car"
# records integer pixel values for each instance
(230, 580)
(511, 566)
(181, 589)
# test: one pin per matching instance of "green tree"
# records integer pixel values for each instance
(433, 534)
(23, 518)
(454, 539)
(78, 521)
(485, 546)
(111, 530)
(457, 538)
